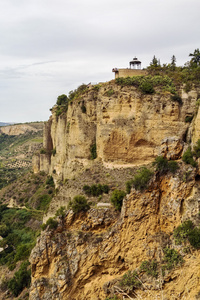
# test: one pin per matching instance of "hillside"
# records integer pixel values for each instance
(139, 135)
(18, 143)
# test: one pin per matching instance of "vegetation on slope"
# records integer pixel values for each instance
(16, 153)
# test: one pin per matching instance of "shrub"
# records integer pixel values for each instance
(182, 232)
(51, 222)
(61, 212)
(172, 258)
(150, 268)
(128, 186)
(176, 98)
(93, 151)
(96, 190)
(188, 157)
(142, 178)
(187, 232)
(146, 87)
(62, 100)
(188, 119)
(21, 279)
(43, 151)
(162, 165)
(117, 198)
(130, 281)
(109, 93)
(50, 181)
(79, 203)
(173, 166)
(96, 87)
(77, 92)
(194, 238)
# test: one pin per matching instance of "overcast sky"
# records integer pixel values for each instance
(49, 47)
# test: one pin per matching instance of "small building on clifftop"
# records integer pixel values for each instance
(133, 70)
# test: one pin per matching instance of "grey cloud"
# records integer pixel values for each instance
(49, 47)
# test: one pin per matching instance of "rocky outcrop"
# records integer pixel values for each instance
(82, 258)
(128, 128)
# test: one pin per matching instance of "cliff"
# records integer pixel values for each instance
(87, 255)
(128, 128)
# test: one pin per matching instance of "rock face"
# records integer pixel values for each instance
(86, 255)
(128, 128)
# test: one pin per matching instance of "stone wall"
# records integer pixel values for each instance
(129, 72)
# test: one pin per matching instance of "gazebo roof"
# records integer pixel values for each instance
(135, 61)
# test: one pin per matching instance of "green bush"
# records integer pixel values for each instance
(21, 279)
(93, 151)
(172, 258)
(96, 189)
(77, 92)
(182, 232)
(51, 222)
(109, 93)
(141, 178)
(50, 181)
(194, 238)
(78, 204)
(188, 119)
(162, 165)
(117, 198)
(146, 87)
(150, 268)
(129, 185)
(176, 98)
(61, 212)
(172, 166)
(43, 151)
(187, 232)
(130, 281)
(188, 157)
(62, 100)
(96, 87)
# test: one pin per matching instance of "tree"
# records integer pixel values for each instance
(62, 100)
(155, 62)
(195, 61)
(173, 63)
(117, 198)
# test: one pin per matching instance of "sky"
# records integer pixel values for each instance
(50, 47)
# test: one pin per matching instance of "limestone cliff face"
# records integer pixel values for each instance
(128, 128)
(85, 257)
